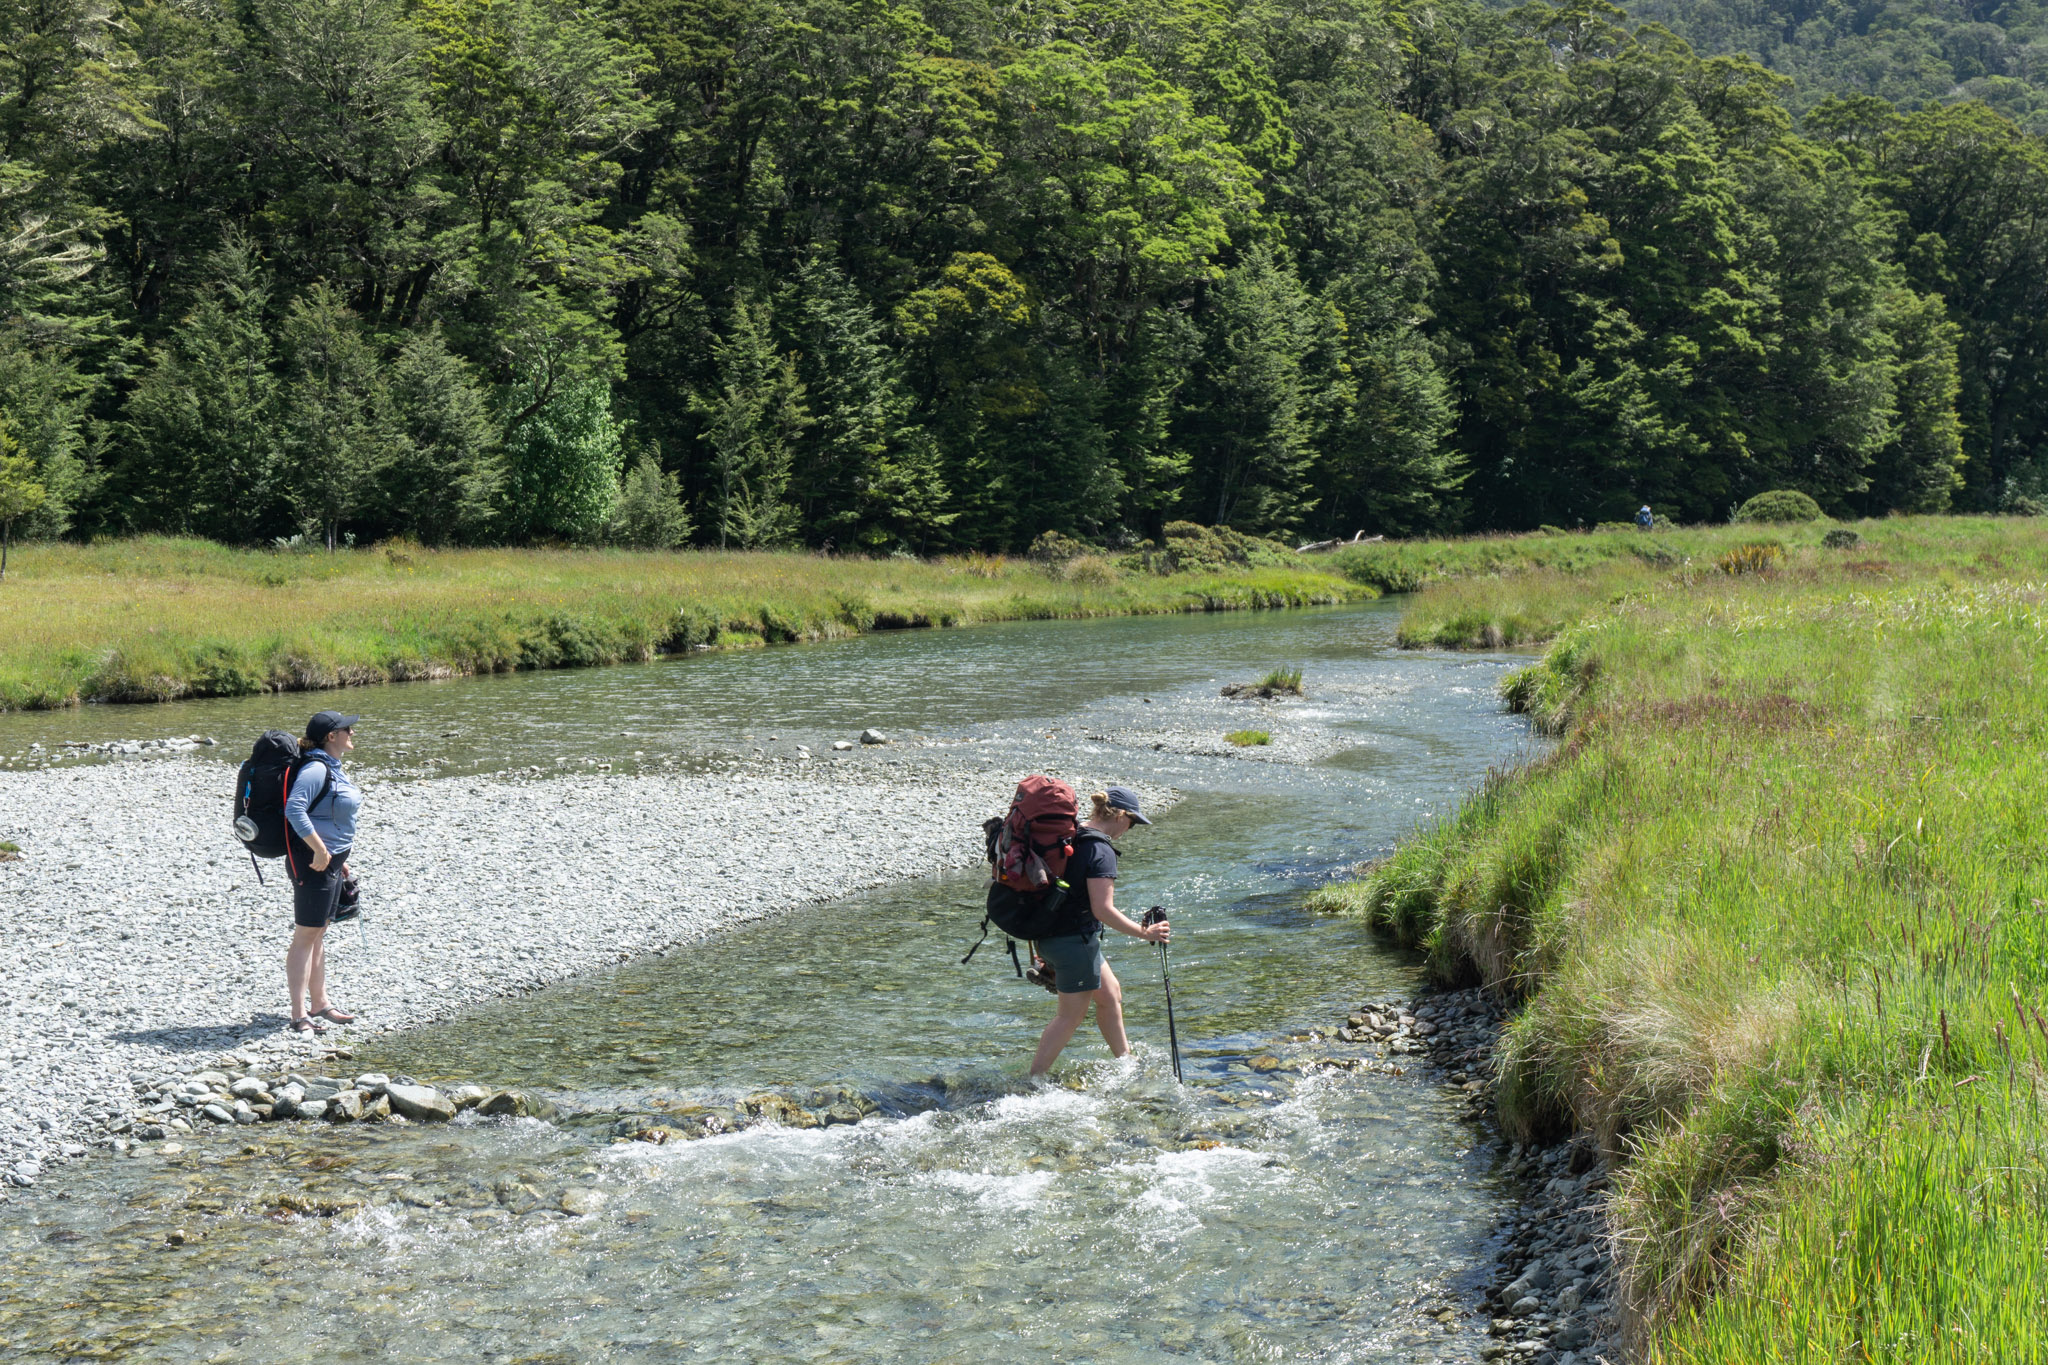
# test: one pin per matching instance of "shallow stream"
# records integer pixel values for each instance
(1287, 1203)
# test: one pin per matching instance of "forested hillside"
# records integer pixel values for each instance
(898, 276)
(1905, 51)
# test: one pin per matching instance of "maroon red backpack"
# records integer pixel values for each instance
(1028, 850)
(1029, 847)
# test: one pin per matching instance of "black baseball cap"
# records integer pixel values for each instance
(323, 722)
(1126, 800)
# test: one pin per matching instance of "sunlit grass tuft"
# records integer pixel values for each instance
(1244, 738)
(1282, 680)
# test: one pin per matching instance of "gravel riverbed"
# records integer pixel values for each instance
(137, 942)
(1552, 1299)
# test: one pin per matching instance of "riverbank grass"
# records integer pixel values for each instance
(1778, 910)
(1490, 592)
(155, 619)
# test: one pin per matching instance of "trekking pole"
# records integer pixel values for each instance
(1152, 917)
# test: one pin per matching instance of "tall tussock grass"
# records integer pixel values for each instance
(156, 619)
(1777, 913)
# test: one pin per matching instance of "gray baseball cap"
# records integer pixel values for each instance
(1126, 800)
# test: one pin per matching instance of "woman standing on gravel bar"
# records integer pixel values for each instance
(321, 816)
(1075, 960)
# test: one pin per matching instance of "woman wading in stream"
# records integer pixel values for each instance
(1079, 973)
(320, 816)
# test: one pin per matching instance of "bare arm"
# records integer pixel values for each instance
(1102, 900)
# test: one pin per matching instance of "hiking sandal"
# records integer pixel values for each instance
(334, 1016)
(307, 1026)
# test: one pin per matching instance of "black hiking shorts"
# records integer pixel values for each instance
(316, 894)
(1075, 959)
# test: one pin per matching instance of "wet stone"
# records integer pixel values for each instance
(421, 1103)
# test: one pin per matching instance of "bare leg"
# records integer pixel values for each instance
(316, 978)
(1073, 1008)
(1109, 1013)
(299, 967)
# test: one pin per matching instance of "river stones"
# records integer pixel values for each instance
(345, 1107)
(421, 1103)
(580, 1200)
(469, 1096)
(873, 736)
(504, 1104)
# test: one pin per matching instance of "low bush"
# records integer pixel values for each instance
(1052, 547)
(1191, 547)
(1094, 570)
(1778, 505)
(1244, 738)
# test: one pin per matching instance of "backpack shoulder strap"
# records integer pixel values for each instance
(326, 779)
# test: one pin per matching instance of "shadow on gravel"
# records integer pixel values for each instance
(203, 1037)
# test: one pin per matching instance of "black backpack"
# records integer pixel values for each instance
(261, 787)
(1034, 915)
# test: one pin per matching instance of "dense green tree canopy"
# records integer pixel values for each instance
(885, 275)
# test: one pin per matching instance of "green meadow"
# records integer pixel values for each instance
(1776, 908)
(155, 619)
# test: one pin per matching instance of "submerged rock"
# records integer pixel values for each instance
(580, 1201)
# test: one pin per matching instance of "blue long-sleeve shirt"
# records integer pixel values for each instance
(334, 816)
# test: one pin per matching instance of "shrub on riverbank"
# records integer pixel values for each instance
(1778, 505)
(1776, 909)
(154, 619)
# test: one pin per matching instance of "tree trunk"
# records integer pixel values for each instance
(6, 538)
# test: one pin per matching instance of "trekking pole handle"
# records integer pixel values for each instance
(1152, 917)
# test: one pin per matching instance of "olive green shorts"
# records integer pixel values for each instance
(1075, 959)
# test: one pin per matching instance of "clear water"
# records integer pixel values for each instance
(1312, 1212)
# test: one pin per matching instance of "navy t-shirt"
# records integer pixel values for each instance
(1093, 857)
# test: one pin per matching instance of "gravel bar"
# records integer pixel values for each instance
(137, 942)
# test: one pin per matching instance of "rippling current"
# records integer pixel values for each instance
(1294, 1200)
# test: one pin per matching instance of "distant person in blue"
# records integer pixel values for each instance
(320, 816)
(1645, 519)
(1080, 975)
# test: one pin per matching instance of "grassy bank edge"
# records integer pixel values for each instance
(1758, 1223)
(241, 648)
